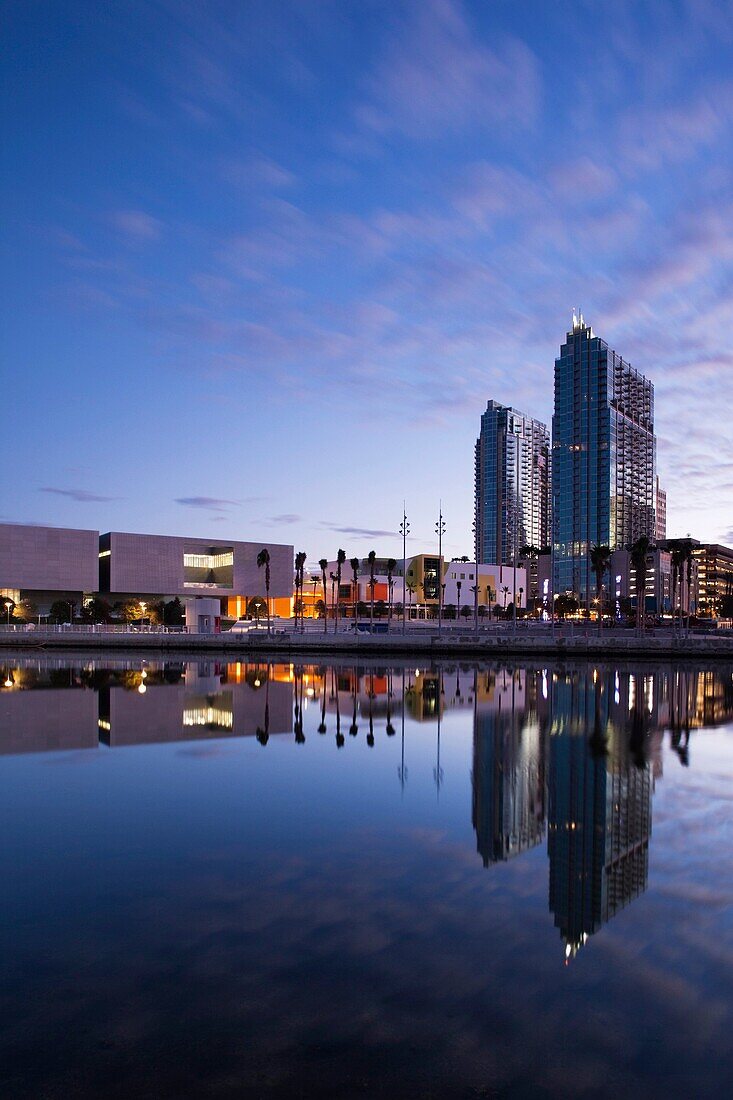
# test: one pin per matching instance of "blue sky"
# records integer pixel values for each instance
(265, 262)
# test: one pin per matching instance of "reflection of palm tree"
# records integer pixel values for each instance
(599, 737)
(298, 724)
(390, 728)
(370, 735)
(322, 727)
(263, 733)
(353, 728)
(338, 708)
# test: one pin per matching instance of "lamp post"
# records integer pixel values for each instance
(440, 531)
(8, 605)
(143, 608)
(404, 531)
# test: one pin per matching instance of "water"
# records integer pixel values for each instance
(276, 880)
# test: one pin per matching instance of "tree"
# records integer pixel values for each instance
(323, 564)
(639, 551)
(340, 560)
(96, 610)
(726, 607)
(505, 590)
(263, 558)
(175, 614)
(466, 611)
(600, 559)
(300, 559)
(354, 563)
(372, 557)
(474, 589)
(459, 585)
(391, 566)
(25, 610)
(566, 604)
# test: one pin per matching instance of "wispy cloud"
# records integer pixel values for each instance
(435, 73)
(358, 532)
(82, 496)
(208, 504)
(285, 518)
(136, 225)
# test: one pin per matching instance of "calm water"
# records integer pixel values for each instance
(277, 880)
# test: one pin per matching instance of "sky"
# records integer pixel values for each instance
(264, 263)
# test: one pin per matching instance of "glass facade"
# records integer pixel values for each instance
(603, 457)
(512, 479)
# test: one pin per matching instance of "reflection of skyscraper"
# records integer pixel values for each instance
(599, 807)
(508, 767)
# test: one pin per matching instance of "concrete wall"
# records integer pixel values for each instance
(153, 564)
(48, 559)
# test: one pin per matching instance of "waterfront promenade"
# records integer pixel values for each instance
(423, 640)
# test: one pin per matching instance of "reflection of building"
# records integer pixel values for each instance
(603, 456)
(144, 707)
(139, 565)
(46, 711)
(599, 802)
(508, 766)
(512, 475)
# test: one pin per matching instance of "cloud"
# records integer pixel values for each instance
(79, 495)
(435, 75)
(209, 504)
(285, 518)
(136, 225)
(358, 532)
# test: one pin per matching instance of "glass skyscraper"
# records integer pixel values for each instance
(512, 481)
(603, 457)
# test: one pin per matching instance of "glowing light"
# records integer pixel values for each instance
(142, 689)
(257, 683)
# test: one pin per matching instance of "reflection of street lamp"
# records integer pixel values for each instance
(9, 681)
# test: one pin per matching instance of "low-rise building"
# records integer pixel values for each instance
(139, 566)
(43, 565)
(715, 571)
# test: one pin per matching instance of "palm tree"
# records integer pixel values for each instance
(263, 558)
(300, 559)
(391, 566)
(678, 558)
(505, 590)
(323, 563)
(340, 559)
(639, 551)
(372, 556)
(600, 559)
(354, 563)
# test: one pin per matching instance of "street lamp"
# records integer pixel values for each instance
(8, 605)
(143, 607)
(440, 531)
(404, 531)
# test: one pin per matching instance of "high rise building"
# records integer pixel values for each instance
(660, 532)
(512, 483)
(603, 456)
